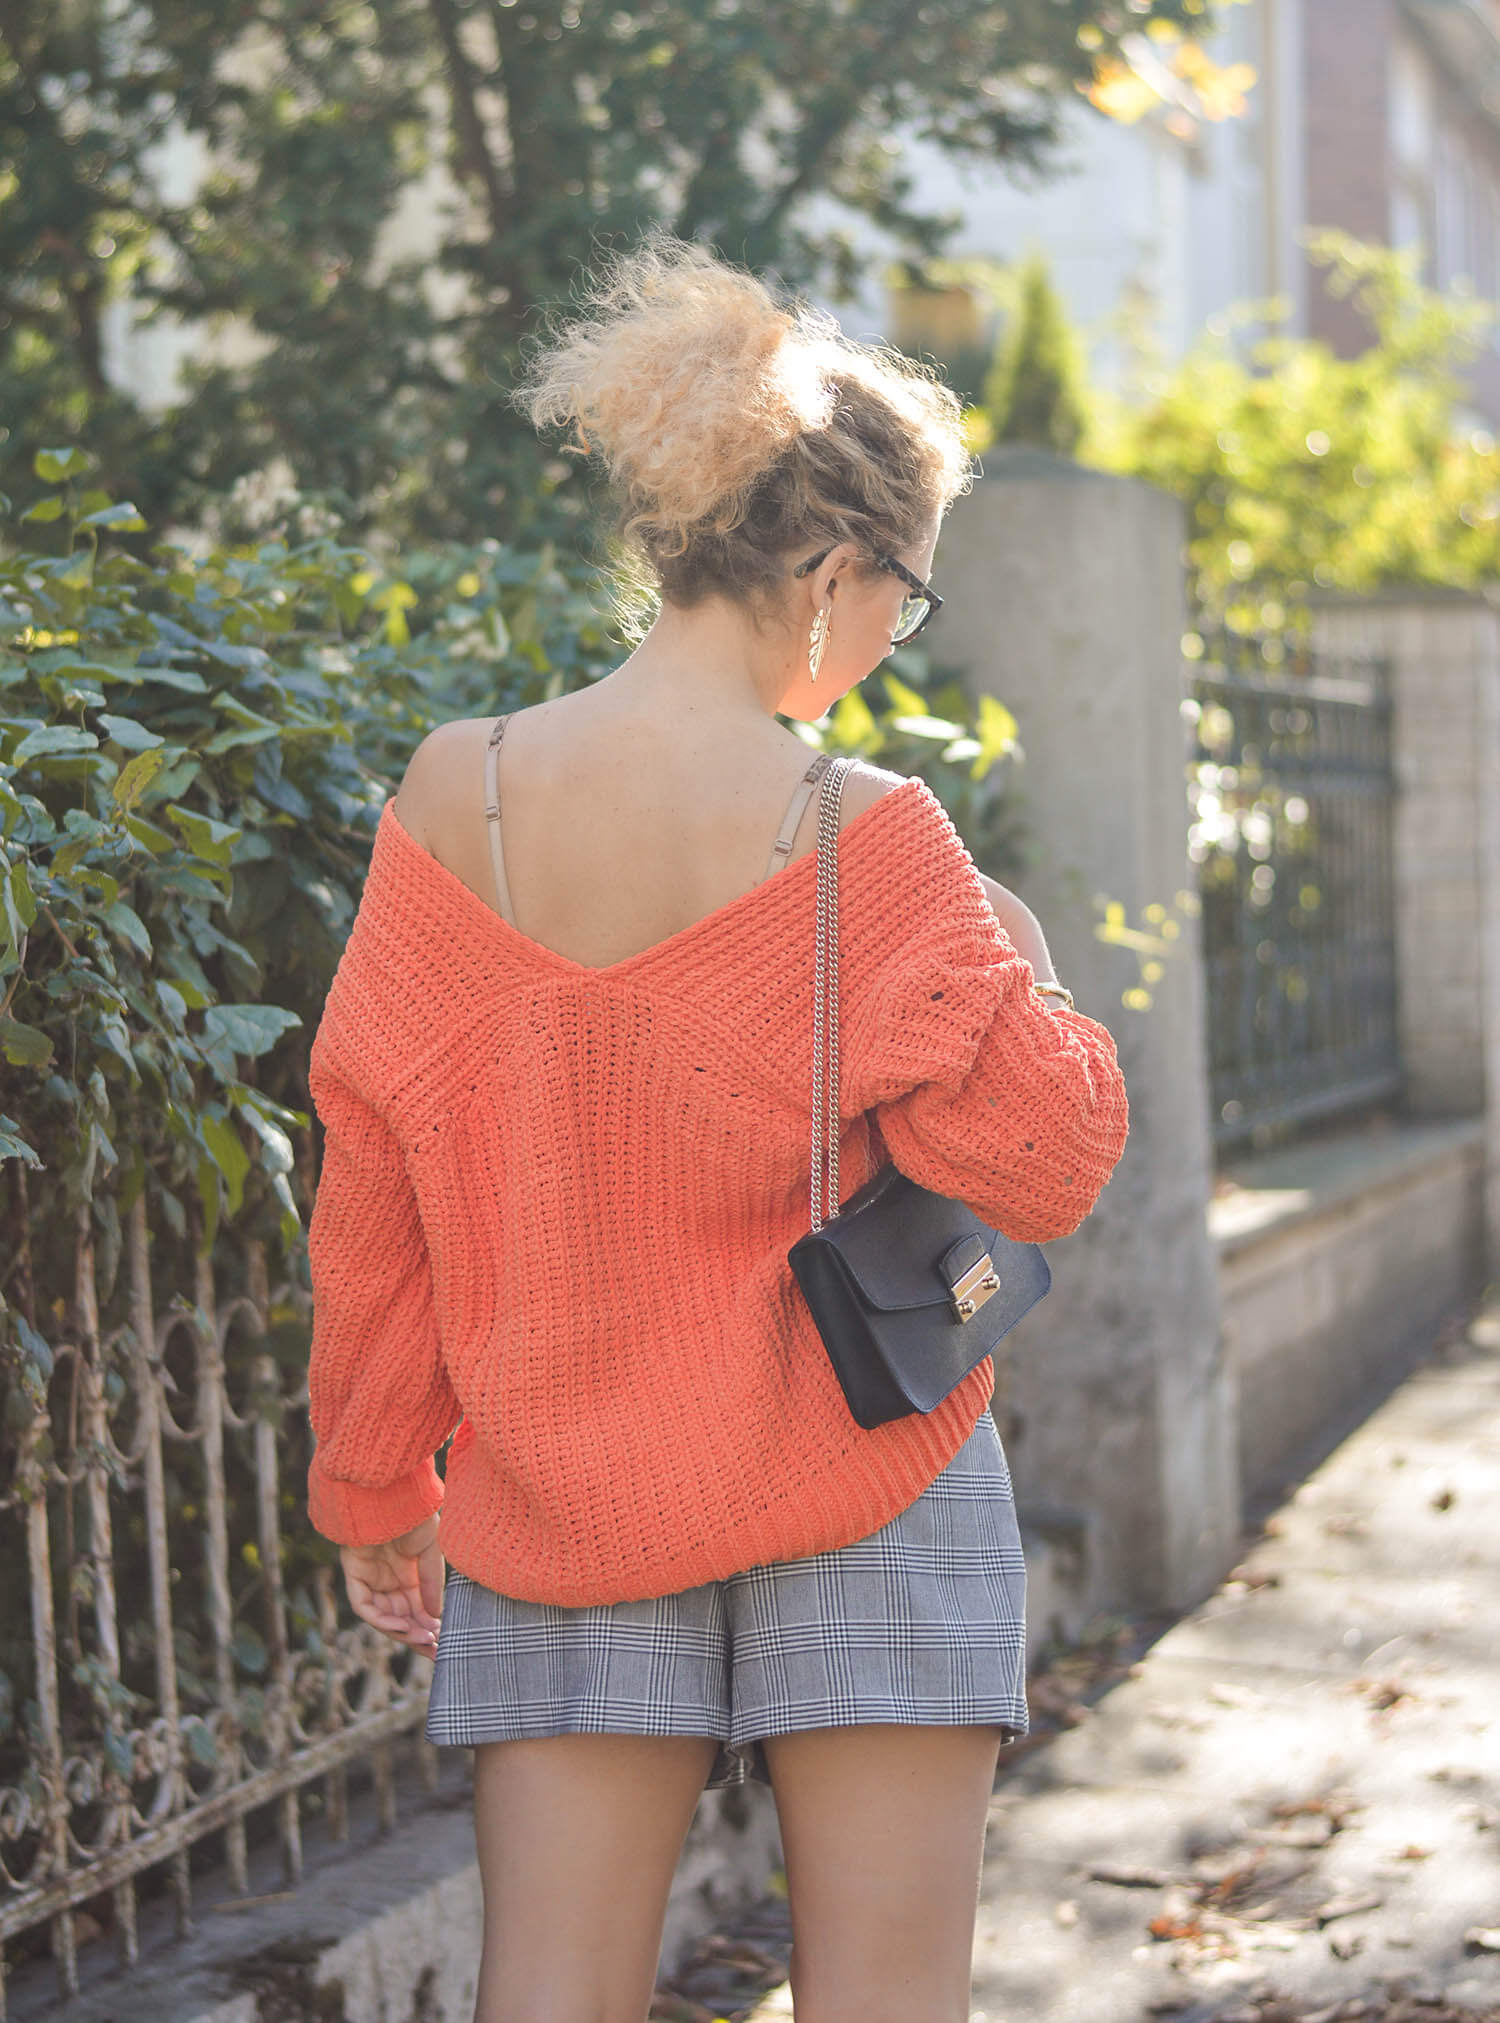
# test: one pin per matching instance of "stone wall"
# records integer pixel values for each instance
(1339, 1259)
(1065, 599)
(1444, 650)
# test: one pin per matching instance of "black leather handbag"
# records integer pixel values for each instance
(910, 1289)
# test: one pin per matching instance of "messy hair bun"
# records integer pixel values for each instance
(734, 430)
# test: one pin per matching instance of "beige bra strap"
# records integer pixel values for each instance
(801, 795)
(492, 816)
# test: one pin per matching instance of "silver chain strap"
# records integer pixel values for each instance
(825, 1103)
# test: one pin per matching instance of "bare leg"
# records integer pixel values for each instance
(578, 1839)
(883, 1829)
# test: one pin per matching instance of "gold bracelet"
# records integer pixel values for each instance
(1055, 990)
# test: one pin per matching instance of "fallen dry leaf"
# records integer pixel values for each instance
(1134, 1877)
(1347, 1906)
(1228, 1694)
(1252, 1577)
(1168, 1927)
(1381, 1693)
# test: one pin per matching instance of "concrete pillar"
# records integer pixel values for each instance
(1065, 599)
(1444, 652)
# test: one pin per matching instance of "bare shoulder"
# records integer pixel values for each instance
(864, 785)
(446, 756)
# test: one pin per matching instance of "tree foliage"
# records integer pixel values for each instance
(1034, 392)
(1302, 470)
(391, 188)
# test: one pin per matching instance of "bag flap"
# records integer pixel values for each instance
(896, 1240)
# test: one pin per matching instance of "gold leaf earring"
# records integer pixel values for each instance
(817, 640)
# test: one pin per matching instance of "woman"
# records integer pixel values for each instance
(566, 1089)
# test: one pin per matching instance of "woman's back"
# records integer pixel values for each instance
(619, 829)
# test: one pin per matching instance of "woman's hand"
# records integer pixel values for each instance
(398, 1587)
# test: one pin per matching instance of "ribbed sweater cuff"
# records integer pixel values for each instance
(351, 1513)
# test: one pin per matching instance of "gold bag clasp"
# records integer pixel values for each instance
(970, 1292)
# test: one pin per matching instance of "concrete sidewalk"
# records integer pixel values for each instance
(1297, 1790)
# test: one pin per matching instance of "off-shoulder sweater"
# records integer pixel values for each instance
(555, 1204)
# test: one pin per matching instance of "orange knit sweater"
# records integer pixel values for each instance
(556, 1201)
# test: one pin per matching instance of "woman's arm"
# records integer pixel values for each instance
(1025, 931)
(380, 1400)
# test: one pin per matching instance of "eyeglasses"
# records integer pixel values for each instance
(921, 602)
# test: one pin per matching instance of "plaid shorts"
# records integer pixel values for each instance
(922, 1621)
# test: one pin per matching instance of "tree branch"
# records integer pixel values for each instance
(473, 148)
(824, 129)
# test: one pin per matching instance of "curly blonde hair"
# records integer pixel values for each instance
(734, 431)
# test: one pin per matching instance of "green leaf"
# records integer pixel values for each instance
(998, 729)
(126, 731)
(51, 508)
(853, 723)
(204, 836)
(184, 678)
(230, 705)
(14, 1146)
(24, 1046)
(157, 841)
(67, 862)
(228, 1154)
(116, 1036)
(923, 726)
(249, 1649)
(998, 737)
(278, 1156)
(121, 1754)
(903, 698)
(289, 1222)
(192, 996)
(172, 1002)
(69, 667)
(201, 1744)
(224, 741)
(128, 923)
(247, 1028)
(207, 1176)
(124, 518)
(55, 467)
(52, 738)
(22, 896)
(134, 777)
(78, 573)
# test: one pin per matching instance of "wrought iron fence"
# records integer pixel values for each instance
(1289, 781)
(171, 1652)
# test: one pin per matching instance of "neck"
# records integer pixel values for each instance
(708, 659)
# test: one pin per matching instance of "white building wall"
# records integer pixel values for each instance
(1135, 214)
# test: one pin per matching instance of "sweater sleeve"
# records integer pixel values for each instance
(984, 1094)
(379, 1396)
(980, 1091)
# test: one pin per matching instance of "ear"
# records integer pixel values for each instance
(833, 566)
